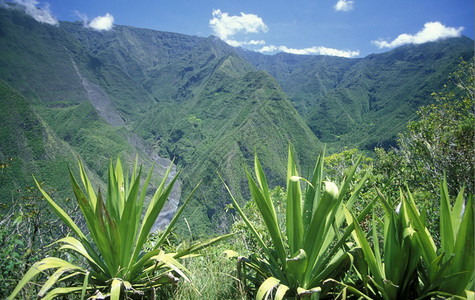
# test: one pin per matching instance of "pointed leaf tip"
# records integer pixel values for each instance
(332, 189)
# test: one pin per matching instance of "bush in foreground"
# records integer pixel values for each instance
(116, 263)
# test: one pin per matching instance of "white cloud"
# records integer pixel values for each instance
(226, 26)
(235, 43)
(431, 32)
(316, 50)
(42, 15)
(102, 22)
(82, 16)
(344, 5)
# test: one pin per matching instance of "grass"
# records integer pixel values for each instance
(213, 276)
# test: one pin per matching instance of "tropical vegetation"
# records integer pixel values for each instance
(116, 264)
(385, 212)
(410, 265)
(198, 101)
(312, 249)
(407, 265)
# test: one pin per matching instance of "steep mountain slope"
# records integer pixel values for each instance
(216, 114)
(138, 52)
(202, 96)
(364, 102)
(47, 64)
(209, 106)
(303, 77)
(30, 147)
(205, 105)
(30, 52)
(82, 100)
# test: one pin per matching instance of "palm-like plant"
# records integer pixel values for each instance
(449, 270)
(314, 248)
(393, 271)
(114, 247)
(411, 265)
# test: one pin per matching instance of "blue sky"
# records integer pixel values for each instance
(331, 27)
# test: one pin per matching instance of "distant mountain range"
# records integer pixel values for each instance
(70, 91)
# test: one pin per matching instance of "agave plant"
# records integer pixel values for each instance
(411, 265)
(114, 244)
(449, 270)
(393, 271)
(313, 248)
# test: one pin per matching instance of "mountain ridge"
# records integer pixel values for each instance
(210, 106)
(315, 80)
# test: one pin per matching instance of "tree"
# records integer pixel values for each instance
(441, 141)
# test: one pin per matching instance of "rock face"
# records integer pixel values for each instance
(160, 164)
(100, 100)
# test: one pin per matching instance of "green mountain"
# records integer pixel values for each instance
(199, 101)
(83, 102)
(139, 52)
(28, 145)
(364, 102)
(222, 112)
(155, 94)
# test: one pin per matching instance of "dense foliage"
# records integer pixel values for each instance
(410, 265)
(68, 91)
(116, 264)
(26, 229)
(298, 262)
(441, 141)
(201, 102)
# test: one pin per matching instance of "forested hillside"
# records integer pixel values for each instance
(29, 146)
(72, 91)
(364, 102)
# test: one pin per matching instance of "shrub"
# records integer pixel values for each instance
(411, 265)
(314, 248)
(116, 261)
